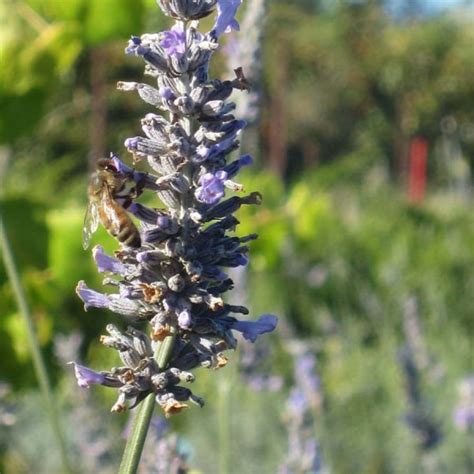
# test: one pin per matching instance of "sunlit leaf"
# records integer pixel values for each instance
(20, 114)
(112, 19)
(54, 10)
(14, 325)
(27, 231)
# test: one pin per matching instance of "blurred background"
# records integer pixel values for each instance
(361, 122)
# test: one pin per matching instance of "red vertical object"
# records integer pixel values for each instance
(417, 169)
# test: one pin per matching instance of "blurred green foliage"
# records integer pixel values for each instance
(340, 250)
(41, 41)
(352, 79)
(342, 269)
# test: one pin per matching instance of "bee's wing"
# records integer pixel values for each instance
(111, 211)
(91, 222)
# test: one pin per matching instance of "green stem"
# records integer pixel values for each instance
(32, 340)
(136, 440)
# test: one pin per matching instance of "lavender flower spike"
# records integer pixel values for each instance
(174, 277)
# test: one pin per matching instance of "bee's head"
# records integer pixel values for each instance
(106, 164)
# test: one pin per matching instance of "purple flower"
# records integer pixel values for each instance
(211, 271)
(131, 143)
(120, 165)
(122, 168)
(245, 160)
(305, 368)
(184, 319)
(297, 403)
(163, 222)
(166, 93)
(133, 44)
(463, 417)
(225, 20)
(211, 188)
(203, 152)
(136, 47)
(234, 167)
(252, 329)
(258, 383)
(143, 180)
(87, 377)
(223, 147)
(105, 263)
(173, 41)
(90, 297)
(209, 152)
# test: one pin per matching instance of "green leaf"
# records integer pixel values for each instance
(108, 20)
(38, 62)
(60, 9)
(20, 114)
(27, 231)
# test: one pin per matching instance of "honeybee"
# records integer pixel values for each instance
(110, 193)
